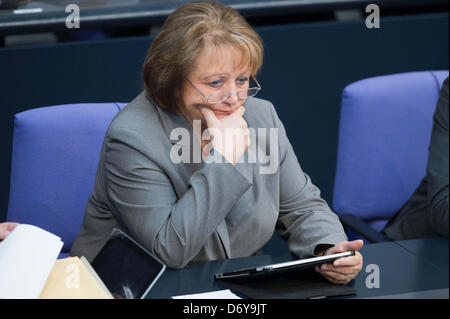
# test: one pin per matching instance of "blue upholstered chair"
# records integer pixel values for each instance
(55, 155)
(384, 134)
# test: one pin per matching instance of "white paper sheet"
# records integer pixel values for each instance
(27, 256)
(219, 294)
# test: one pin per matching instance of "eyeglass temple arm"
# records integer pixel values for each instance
(256, 81)
(197, 90)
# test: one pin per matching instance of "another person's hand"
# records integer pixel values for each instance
(230, 135)
(342, 270)
(6, 229)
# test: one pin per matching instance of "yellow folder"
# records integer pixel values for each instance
(74, 278)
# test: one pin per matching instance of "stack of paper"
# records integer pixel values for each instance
(28, 268)
(219, 294)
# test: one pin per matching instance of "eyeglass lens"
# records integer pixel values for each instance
(241, 95)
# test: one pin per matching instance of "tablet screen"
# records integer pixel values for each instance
(127, 269)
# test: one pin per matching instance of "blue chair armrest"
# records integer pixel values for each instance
(362, 228)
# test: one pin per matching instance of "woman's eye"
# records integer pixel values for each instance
(215, 84)
(242, 81)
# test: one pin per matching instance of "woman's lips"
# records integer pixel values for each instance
(223, 112)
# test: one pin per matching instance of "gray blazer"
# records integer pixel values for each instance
(201, 211)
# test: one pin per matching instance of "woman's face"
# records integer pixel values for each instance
(216, 71)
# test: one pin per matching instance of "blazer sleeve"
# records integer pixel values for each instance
(143, 199)
(437, 168)
(305, 219)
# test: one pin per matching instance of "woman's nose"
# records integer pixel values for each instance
(233, 96)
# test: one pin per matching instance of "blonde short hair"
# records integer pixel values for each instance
(184, 34)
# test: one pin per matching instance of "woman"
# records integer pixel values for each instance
(183, 205)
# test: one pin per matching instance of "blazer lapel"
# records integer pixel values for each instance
(171, 122)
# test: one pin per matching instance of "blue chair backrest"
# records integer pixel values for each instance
(384, 134)
(55, 155)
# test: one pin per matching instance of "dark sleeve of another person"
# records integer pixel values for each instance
(437, 168)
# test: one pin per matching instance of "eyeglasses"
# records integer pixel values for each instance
(220, 97)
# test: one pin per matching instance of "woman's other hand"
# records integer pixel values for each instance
(6, 229)
(343, 270)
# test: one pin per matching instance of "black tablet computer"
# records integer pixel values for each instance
(282, 267)
(127, 269)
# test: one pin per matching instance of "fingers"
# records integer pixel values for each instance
(3, 234)
(10, 226)
(209, 116)
(343, 270)
(239, 112)
(237, 117)
(340, 270)
(349, 261)
(4, 231)
(230, 135)
(354, 245)
(338, 277)
(328, 268)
